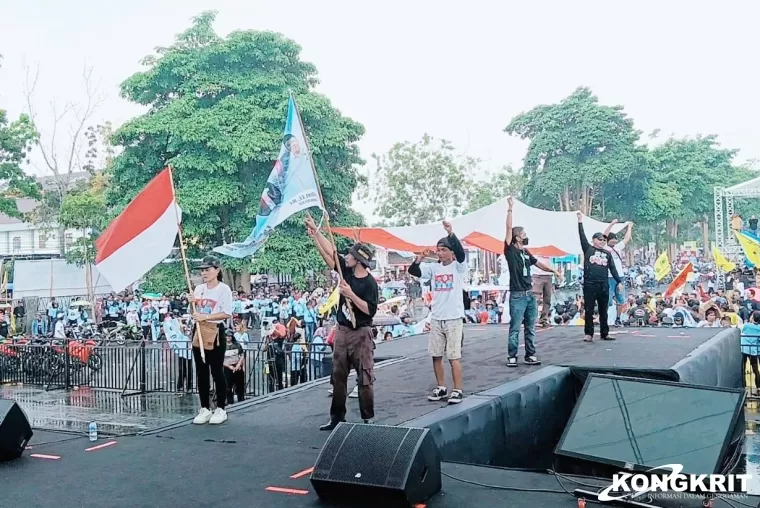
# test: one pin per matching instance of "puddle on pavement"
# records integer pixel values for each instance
(73, 410)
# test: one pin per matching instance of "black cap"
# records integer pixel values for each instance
(598, 235)
(362, 253)
(444, 242)
(210, 262)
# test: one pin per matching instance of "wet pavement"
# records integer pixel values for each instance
(752, 444)
(73, 410)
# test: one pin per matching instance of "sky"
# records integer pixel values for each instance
(458, 70)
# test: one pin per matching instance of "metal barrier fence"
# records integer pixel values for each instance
(153, 367)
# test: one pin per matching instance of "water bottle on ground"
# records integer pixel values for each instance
(93, 431)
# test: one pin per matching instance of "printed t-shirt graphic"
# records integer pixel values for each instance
(443, 282)
(598, 258)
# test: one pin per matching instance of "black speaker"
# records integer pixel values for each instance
(15, 430)
(378, 465)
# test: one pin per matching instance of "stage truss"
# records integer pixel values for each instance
(725, 241)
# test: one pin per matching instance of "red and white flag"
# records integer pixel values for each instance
(142, 236)
(679, 282)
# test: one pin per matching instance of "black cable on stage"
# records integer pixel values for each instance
(503, 487)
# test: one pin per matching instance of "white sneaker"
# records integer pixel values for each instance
(354, 393)
(219, 416)
(204, 415)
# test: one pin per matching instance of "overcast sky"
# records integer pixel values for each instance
(455, 69)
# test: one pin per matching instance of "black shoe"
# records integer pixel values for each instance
(608, 338)
(369, 422)
(532, 360)
(330, 426)
(512, 361)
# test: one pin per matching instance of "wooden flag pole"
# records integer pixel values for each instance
(184, 262)
(325, 215)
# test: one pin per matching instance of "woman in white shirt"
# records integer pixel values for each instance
(213, 304)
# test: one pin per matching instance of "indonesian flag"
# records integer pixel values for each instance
(142, 236)
(680, 281)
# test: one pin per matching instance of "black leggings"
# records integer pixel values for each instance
(235, 385)
(214, 362)
(753, 361)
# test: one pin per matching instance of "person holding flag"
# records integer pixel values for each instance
(291, 187)
(354, 344)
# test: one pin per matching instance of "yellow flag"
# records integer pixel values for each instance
(332, 301)
(721, 262)
(751, 248)
(661, 266)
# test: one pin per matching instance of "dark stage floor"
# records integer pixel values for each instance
(267, 441)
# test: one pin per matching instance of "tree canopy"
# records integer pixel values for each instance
(577, 149)
(421, 182)
(16, 139)
(217, 108)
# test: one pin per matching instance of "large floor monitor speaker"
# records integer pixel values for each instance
(15, 431)
(378, 465)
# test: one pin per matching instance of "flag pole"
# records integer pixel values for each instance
(184, 260)
(325, 215)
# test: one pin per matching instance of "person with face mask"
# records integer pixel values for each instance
(597, 265)
(354, 344)
(447, 311)
(523, 308)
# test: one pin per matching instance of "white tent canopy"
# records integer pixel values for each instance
(54, 277)
(486, 228)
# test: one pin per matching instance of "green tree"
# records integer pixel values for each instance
(166, 279)
(16, 139)
(494, 186)
(86, 212)
(685, 172)
(577, 148)
(417, 183)
(217, 109)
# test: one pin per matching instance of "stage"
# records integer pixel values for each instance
(262, 454)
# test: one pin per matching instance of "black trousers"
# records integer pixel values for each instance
(277, 367)
(235, 385)
(214, 364)
(596, 293)
(185, 376)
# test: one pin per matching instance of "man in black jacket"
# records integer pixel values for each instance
(597, 265)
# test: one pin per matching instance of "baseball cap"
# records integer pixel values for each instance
(210, 262)
(599, 236)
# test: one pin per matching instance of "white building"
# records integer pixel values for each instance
(26, 240)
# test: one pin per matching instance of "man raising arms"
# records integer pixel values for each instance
(617, 294)
(447, 311)
(522, 301)
(354, 345)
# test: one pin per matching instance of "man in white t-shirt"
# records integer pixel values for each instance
(615, 247)
(447, 311)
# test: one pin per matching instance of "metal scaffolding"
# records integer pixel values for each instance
(725, 241)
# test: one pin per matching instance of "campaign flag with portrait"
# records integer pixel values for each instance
(291, 187)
